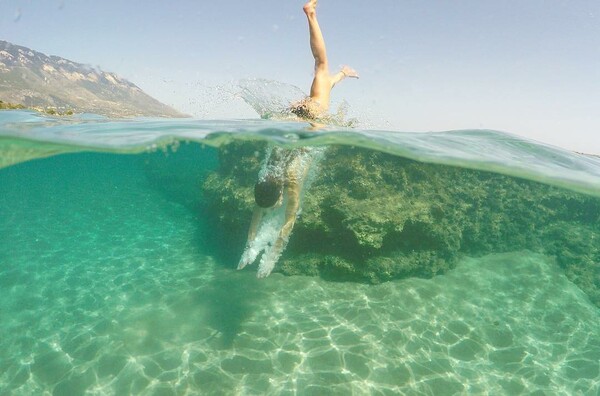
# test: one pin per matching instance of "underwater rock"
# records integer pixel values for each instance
(372, 217)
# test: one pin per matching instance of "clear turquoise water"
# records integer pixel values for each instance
(110, 282)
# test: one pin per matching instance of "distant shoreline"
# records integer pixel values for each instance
(48, 110)
(11, 106)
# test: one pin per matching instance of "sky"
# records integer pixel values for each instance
(528, 67)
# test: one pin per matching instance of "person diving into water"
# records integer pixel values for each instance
(280, 182)
(284, 171)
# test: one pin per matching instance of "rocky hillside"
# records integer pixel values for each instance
(36, 80)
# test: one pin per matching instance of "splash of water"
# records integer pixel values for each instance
(273, 100)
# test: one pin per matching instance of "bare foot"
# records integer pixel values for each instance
(349, 72)
(310, 8)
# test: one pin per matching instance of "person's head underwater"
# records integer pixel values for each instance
(268, 192)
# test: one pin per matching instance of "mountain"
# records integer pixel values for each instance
(36, 80)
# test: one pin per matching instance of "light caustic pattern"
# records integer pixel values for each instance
(107, 288)
(503, 324)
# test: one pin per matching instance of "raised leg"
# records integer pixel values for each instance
(323, 82)
(321, 85)
(317, 42)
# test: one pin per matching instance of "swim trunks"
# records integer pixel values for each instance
(306, 109)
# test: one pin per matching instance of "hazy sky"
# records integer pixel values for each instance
(529, 67)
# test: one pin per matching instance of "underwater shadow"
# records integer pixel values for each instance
(179, 172)
(178, 175)
(231, 298)
(231, 295)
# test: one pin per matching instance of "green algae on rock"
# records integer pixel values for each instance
(372, 217)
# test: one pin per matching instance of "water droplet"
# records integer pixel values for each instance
(17, 16)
